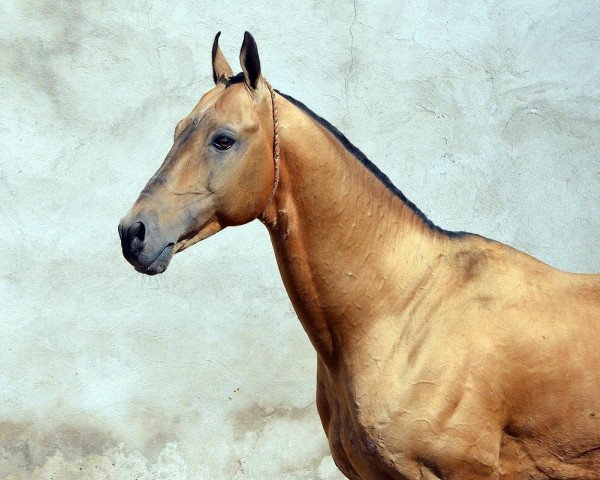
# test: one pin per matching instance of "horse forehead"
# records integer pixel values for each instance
(206, 102)
(230, 105)
(234, 101)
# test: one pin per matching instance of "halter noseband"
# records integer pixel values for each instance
(276, 151)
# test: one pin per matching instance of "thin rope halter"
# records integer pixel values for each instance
(276, 151)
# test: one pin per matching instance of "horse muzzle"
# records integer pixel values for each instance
(143, 246)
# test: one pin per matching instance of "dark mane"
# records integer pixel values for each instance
(237, 78)
(370, 165)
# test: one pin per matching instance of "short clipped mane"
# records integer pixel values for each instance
(370, 165)
(237, 78)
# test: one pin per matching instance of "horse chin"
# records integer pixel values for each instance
(160, 263)
(208, 229)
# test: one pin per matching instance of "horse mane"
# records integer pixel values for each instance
(362, 158)
(237, 78)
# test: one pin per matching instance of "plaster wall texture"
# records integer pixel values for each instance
(486, 115)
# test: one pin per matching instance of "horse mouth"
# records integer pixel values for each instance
(160, 263)
(141, 260)
(209, 228)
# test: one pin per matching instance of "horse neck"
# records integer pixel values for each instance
(348, 248)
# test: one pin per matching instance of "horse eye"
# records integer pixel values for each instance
(223, 142)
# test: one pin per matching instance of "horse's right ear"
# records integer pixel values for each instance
(221, 68)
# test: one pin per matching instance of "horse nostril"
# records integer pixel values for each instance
(138, 230)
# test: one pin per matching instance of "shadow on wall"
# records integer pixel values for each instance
(72, 452)
(76, 450)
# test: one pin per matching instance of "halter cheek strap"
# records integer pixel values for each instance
(276, 151)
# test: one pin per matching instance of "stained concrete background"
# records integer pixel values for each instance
(486, 114)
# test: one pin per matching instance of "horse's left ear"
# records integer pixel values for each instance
(250, 61)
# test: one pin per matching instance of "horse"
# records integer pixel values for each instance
(440, 354)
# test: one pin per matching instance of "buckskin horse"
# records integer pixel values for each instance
(441, 355)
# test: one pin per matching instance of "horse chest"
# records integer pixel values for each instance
(356, 450)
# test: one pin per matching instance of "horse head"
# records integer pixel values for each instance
(219, 172)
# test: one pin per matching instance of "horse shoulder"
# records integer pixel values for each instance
(432, 407)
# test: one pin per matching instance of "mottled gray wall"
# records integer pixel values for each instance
(486, 114)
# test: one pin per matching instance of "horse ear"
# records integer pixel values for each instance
(220, 66)
(250, 61)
